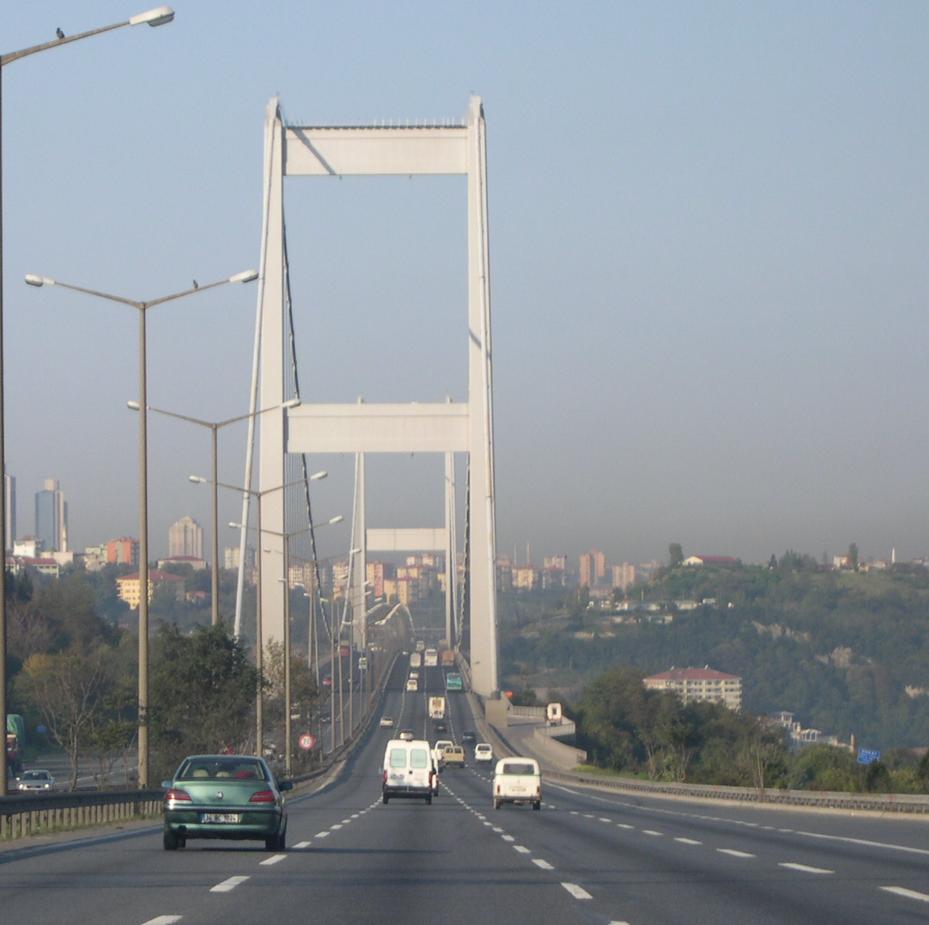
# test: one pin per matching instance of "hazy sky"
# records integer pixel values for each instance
(709, 253)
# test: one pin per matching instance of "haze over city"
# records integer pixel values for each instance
(708, 253)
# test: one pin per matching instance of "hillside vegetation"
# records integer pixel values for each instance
(846, 652)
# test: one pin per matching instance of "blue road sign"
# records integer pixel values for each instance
(868, 756)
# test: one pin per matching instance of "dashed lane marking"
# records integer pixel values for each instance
(321, 835)
(604, 819)
(508, 838)
(497, 829)
(522, 849)
(578, 892)
(228, 885)
(907, 894)
(543, 864)
(651, 832)
(274, 859)
(688, 841)
(163, 920)
(790, 865)
(735, 854)
(302, 844)
(623, 825)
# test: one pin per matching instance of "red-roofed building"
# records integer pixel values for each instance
(700, 685)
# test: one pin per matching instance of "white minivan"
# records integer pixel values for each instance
(409, 770)
(517, 780)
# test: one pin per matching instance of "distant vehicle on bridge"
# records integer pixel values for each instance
(453, 682)
(431, 658)
(448, 658)
(415, 660)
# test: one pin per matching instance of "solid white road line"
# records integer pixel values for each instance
(302, 844)
(804, 868)
(908, 894)
(688, 841)
(578, 892)
(228, 885)
(543, 864)
(862, 841)
(733, 853)
(163, 920)
(521, 849)
(267, 862)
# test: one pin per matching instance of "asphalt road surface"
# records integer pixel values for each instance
(587, 857)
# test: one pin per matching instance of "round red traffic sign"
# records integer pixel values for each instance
(306, 741)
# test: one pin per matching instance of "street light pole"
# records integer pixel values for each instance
(156, 17)
(199, 480)
(214, 427)
(286, 537)
(142, 307)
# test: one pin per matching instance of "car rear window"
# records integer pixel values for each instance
(419, 758)
(519, 769)
(223, 768)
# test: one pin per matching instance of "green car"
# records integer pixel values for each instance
(225, 796)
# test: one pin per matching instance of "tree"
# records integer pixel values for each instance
(853, 556)
(67, 690)
(675, 555)
(203, 691)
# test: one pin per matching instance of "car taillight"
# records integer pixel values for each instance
(262, 796)
(385, 776)
(498, 789)
(177, 796)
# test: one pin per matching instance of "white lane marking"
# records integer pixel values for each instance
(617, 922)
(578, 892)
(688, 841)
(488, 823)
(321, 835)
(588, 815)
(908, 894)
(733, 853)
(623, 825)
(604, 819)
(163, 920)
(273, 859)
(861, 841)
(650, 832)
(508, 838)
(521, 849)
(791, 865)
(302, 844)
(497, 829)
(355, 815)
(336, 826)
(346, 821)
(228, 885)
(543, 864)
(574, 812)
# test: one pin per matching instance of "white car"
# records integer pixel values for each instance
(35, 780)
(387, 722)
(483, 752)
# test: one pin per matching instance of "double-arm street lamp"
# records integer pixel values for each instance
(214, 427)
(142, 307)
(155, 17)
(286, 537)
(259, 657)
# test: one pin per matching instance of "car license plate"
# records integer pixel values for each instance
(221, 817)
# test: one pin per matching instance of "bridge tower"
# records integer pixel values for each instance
(334, 151)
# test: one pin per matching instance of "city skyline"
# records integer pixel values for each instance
(706, 304)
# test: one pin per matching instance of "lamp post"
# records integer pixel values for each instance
(142, 307)
(214, 427)
(286, 537)
(259, 652)
(155, 17)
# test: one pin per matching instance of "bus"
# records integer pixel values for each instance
(453, 682)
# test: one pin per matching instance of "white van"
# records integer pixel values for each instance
(517, 780)
(409, 770)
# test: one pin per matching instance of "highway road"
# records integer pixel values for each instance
(587, 857)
